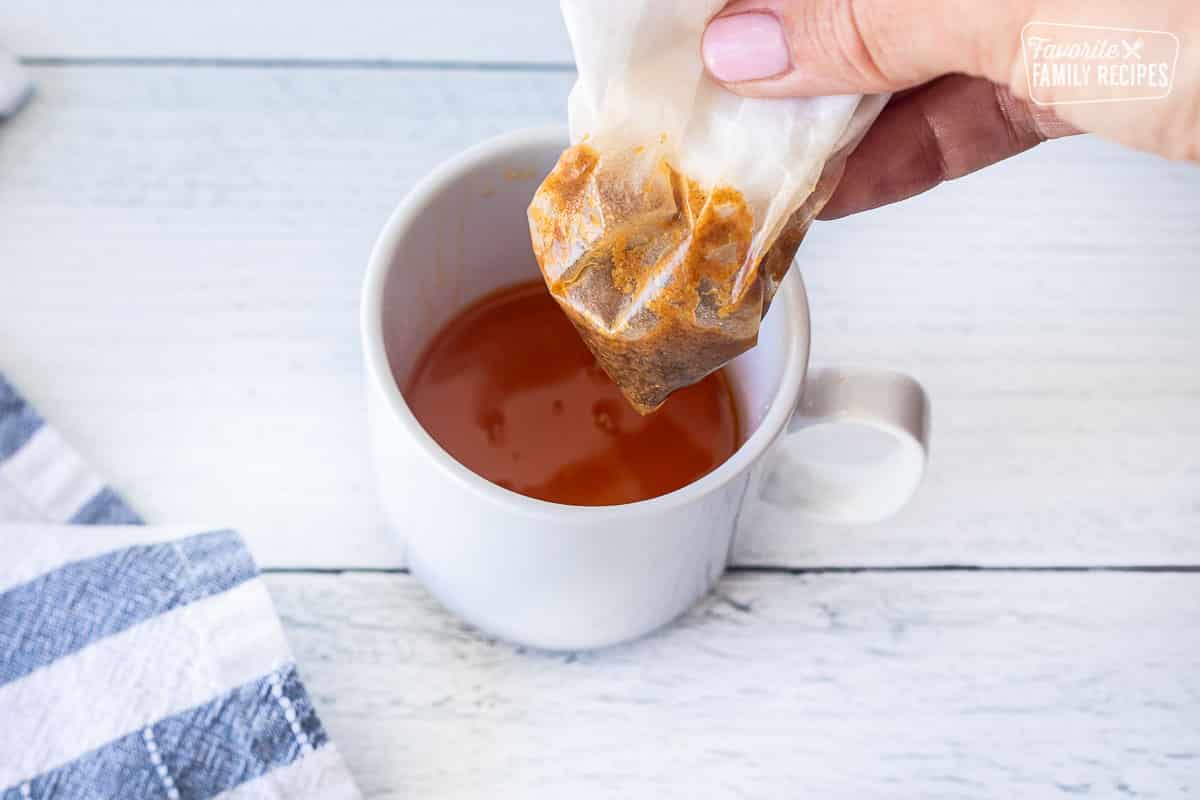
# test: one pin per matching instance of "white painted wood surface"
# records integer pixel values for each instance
(181, 242)
(180, 263)
(917, 685)
(525, 31)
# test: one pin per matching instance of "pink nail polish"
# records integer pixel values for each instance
(745, 47)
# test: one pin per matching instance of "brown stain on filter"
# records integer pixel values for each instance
(654, 270)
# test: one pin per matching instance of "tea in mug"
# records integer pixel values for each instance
(508, 388)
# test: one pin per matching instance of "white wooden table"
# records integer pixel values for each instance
(185, 213)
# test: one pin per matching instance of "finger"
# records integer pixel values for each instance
(819, 47)
(939, 132)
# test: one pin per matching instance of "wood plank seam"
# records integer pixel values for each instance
(386, 64)
(826, 570)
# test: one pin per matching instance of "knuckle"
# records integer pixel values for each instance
(859, 42)
(1020, 123)
(835, 30)
(931, 147)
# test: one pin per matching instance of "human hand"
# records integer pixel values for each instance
(957, 69)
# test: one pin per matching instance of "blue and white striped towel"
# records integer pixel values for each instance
(135, 663)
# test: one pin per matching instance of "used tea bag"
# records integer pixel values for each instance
(666, 227)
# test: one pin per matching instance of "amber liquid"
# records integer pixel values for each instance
(509, 390)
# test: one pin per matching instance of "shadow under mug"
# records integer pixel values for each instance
(572, 577)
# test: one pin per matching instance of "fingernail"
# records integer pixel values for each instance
(745, 47)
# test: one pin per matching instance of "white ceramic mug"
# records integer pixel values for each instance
(572, 577)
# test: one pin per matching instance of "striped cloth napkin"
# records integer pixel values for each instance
(136, 662)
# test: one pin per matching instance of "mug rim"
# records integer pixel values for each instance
(790, 298)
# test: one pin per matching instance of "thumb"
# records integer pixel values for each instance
(775, 48)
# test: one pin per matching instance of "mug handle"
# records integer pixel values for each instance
(855, 447)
